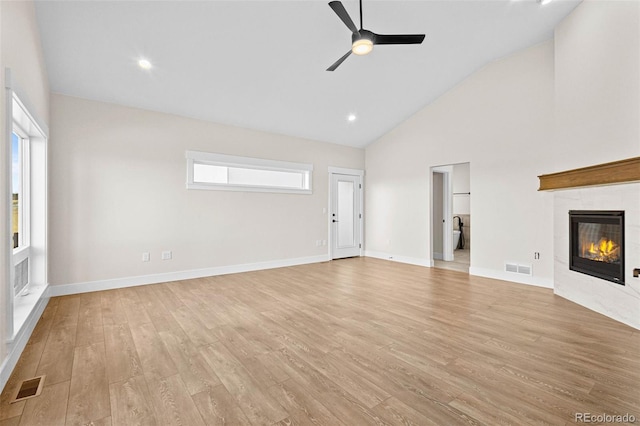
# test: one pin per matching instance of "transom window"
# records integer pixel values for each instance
(233, 173)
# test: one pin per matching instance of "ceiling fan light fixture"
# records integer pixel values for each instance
(145, 64)
(362, 46)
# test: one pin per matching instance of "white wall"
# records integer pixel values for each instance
(598, 117)
(21, 51)
(500, 120)
(597, 84)
(118, 189)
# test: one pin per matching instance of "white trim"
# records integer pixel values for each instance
(401, 259)
(237, 161)
(511, 277)
(6, 260)
(344, 171)
(480, 272)
(26, 109)
(86, 287)
(447, 211)
(20, 341)
(246, 188)
(24, 304)
(349, 172)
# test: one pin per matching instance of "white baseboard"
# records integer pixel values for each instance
(402, 259)
(20, 340)
(511, 276)
(86, 287)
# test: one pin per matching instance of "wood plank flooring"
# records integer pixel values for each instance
(350, 342)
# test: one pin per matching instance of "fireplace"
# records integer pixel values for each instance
(596, 244)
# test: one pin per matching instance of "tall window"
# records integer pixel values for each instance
(20, 207)
(26, 166)
(18, 211)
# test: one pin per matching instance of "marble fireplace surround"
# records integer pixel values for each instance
(621, 303)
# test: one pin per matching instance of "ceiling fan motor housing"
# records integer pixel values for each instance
(366, 34)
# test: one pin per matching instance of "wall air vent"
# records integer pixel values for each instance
(517, 268)
(524, 269)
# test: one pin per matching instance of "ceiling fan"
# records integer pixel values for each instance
(362, 41)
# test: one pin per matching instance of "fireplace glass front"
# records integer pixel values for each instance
(597, 244)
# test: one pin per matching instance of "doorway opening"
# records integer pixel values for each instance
(451, 217)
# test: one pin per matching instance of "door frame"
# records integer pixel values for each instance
(447, 211)
(351, 172)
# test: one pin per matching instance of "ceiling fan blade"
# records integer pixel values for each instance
(339, 9)
(398, 38)
(337, 63)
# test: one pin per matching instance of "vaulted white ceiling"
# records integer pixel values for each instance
(261, 64)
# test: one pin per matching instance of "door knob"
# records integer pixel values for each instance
(334, 221)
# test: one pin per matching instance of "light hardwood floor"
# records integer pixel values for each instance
(461, 261)
(354, 342)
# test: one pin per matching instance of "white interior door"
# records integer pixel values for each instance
(345, 215)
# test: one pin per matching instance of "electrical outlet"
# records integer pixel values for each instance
(146, 256)
(166, 255)
(536, 255)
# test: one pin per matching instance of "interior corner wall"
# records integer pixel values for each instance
(118, 189)
(570, 102)
(598, 120)
(597, 84)
(21, 51)
(500, 120)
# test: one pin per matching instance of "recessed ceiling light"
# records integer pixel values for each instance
(145, 64)
(543, 2)
(351, 117)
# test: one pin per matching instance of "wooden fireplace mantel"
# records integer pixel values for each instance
(627, 170)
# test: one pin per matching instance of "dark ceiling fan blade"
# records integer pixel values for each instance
(339, 9)
(398, 38)
(339, 61)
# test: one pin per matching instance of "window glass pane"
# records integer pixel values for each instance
(346, 230)
(16, 184)
(253, 177)
(223, 172)
(207, 173)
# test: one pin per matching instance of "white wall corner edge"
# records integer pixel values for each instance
(89, 286)
(596, 308)
(20, 340)
(402, 259)
(512, 277)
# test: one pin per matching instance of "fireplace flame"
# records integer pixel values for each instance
(603, 251)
